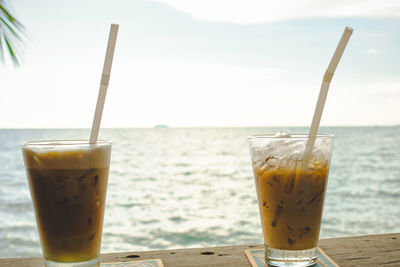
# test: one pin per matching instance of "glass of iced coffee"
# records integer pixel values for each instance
(68, 185)
(290, 195)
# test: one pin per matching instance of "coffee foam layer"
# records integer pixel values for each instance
(67, 159)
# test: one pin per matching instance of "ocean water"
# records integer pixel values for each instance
(179, 188)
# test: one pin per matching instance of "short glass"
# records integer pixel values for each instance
(290, 195)
(68, 185)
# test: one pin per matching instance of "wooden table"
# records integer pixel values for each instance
(372, 250)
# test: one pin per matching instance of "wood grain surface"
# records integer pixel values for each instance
(371, 250)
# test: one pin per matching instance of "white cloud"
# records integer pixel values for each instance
(363, 103)
(190, 94)
(370, 51)
(261, 11)
(149, 92)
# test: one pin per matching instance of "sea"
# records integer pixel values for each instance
(193, 187)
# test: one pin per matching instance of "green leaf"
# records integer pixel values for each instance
(10, 18)
(10, 31)
(10, 28)
(12, 53)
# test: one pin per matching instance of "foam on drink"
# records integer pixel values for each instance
(68, 189)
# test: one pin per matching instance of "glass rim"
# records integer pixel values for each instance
(66, 143)
(292, 136)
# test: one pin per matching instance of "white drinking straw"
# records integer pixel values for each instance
(105, 77)
(323, 93)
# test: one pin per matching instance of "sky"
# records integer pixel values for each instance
(204, 63)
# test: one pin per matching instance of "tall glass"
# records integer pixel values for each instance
(290, 195)
(68, 185)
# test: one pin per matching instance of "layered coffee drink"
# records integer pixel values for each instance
(68, 186)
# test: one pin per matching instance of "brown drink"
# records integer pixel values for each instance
(68, 184)
(290, 195)
(291, 202)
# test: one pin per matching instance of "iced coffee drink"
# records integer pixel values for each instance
(68, 184)
(290, 195)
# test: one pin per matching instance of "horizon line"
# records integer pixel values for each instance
(191, 127)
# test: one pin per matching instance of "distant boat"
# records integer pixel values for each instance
(161, 126)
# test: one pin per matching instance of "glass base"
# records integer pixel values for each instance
(90, 263)
(280, 257)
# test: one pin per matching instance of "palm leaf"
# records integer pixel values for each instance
(10, 35)
(12, 53)
(9, 27)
